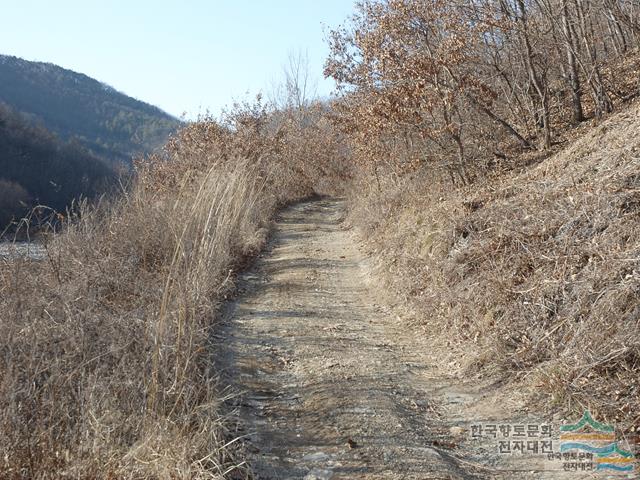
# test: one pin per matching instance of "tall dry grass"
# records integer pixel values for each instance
(106, 369)
(105, 366)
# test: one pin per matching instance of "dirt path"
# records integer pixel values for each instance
(333, 385)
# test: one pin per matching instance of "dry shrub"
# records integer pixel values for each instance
(296, 150)
(533, 274)
(106, 367)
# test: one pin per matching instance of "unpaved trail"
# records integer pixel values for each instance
(332, 385)
(328, 383)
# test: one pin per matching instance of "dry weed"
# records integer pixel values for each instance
(535, 274)
(106, 368)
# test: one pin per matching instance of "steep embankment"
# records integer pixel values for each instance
(533, 274)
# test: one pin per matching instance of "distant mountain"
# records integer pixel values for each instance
(37, 168)
(72, 105)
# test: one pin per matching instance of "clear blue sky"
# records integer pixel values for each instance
(184, 56)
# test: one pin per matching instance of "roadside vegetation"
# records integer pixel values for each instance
(106, 369)
(515, 244)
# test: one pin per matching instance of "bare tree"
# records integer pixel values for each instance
(427, 83)
(297, 89)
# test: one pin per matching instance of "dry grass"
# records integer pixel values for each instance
(106, 369)
(533, 274)
(104, 344)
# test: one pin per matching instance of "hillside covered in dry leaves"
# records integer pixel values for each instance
(533, 273)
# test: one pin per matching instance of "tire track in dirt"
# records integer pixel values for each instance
(332, 385)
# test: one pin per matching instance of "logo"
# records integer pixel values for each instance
(597, 441)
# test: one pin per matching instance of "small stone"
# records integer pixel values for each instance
(315, 457)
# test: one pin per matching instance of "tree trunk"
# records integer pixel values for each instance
(510, 129)
(601, 98)
(541, 104)
(573, 77)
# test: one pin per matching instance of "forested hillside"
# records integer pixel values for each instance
(72, 105)
(38, 168)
